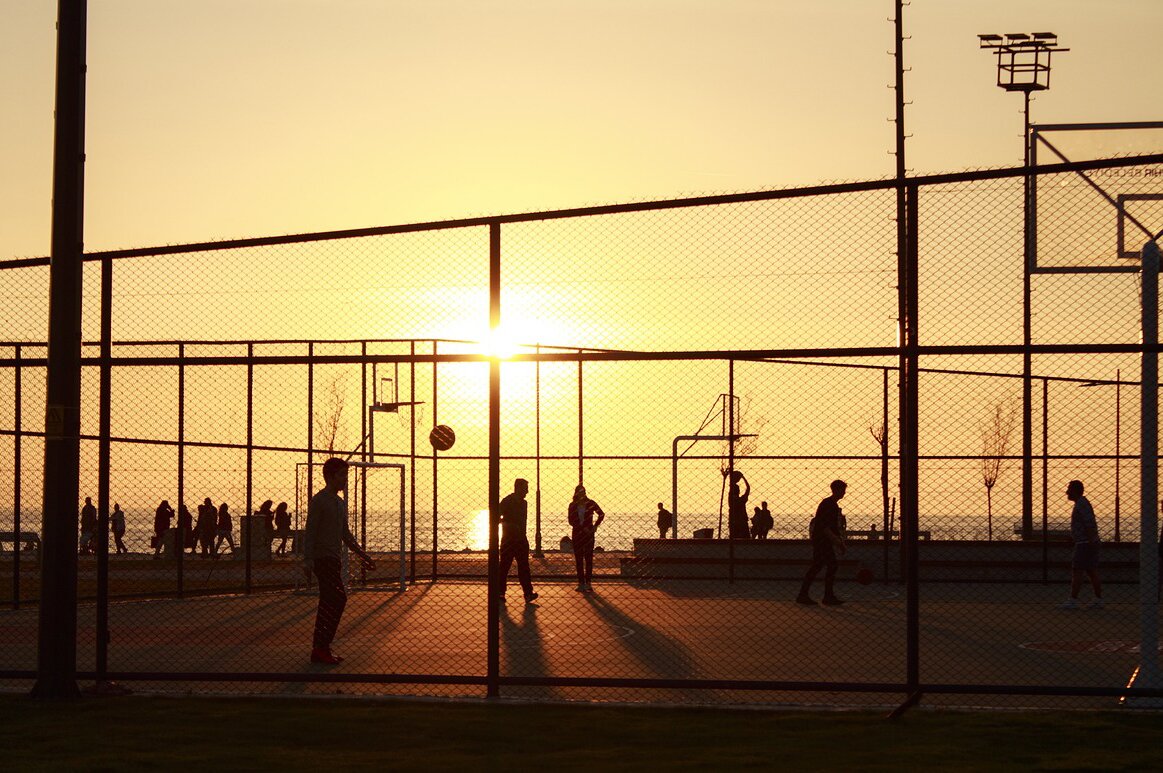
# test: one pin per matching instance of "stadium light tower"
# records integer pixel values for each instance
(1023, 64)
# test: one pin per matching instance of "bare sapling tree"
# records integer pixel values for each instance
(878, 428)
(329, 424)
(996, 431)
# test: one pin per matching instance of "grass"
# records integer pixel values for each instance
(225, 734)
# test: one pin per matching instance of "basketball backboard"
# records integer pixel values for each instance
(1098, 219)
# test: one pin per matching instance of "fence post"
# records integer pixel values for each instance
(16, 473)
(180, 534)
(248, 513)
(909, 449)
(57, 625)
(1147, 674)
(494, 617)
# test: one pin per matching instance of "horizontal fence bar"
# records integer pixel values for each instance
(612, 209)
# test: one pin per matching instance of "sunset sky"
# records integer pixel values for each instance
(231, 118)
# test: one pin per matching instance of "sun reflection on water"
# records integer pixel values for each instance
(477, 533)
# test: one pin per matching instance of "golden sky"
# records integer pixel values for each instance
(230, 118)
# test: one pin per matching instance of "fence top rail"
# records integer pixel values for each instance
(610, 209)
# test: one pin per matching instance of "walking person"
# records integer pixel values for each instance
(825, 533)
(225, 529)
(737, 506)
(581, 517)
(325, 533)
(665, 521)
(117, 525)
(514, 513)
(162, 518)
(1084, 532)
(282, 527)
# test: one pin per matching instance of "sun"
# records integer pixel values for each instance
(502, 342)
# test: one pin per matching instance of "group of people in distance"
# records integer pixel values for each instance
(205, 536)
(762, 521)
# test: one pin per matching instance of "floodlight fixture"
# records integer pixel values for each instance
(1023, 58)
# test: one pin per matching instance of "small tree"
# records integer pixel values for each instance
(996, 430)
(879, 432)
(329, 425)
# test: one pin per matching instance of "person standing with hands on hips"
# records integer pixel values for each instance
(326, 531)
(581, 517)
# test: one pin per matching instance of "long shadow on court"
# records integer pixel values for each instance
(660, 654)
(523, 648)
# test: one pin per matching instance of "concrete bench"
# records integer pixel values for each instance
(29, 539)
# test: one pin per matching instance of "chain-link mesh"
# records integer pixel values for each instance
(657, 352)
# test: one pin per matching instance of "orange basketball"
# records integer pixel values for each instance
(864, 575)
(442, 437)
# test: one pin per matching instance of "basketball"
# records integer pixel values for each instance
(442, 437)
(864, 575)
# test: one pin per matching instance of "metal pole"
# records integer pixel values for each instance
(1118, 449)
(180, 537)
(1027, 358)
(1045, 479)
(493, 668)
(884, 471)
(412, 453)
(435, 487)
(403, 565)
(730, 433)
(310, 425)
(580, 422)
(909, 452)
(363, 417)
(249, 512)
(674, 485)
(1147, 674)
(537, 553)
(16, 467)
(57, 635)
(103, 464)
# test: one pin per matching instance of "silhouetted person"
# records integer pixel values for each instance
(162, 518)
(282, 527)
(267, 514)
(581, 517)
(323, 536)
(514, 543)
(88, 527)
(1084, 532)
(224, 528)
(206, 526)
(186, 528)
(737, 506)
(117, 526)
(872, 533)
(665, 521)
(767, 522)
(826, 541)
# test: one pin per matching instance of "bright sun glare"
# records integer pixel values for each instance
(501, 342)
(478, 531)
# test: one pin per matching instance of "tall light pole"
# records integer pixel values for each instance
(1023, 64)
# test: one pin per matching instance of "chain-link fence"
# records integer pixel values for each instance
(647, 352)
